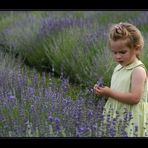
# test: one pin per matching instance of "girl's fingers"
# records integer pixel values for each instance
(95, 86)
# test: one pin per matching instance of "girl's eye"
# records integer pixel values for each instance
(122, 52)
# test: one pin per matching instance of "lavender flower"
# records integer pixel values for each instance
(11, 97)
(100, 82)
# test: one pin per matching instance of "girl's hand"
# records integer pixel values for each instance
(104, 91)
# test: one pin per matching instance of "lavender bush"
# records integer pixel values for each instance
(72, 46)
(35, 105)
(75, 40)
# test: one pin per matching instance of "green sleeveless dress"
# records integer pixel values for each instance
(132, 119)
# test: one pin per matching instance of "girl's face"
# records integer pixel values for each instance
(123, 54)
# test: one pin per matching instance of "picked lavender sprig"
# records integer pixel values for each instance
(100, 82)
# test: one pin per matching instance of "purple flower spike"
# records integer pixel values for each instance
(11, 97)
(100, 82)
(50, 118)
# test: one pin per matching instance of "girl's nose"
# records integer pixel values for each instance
(118, 56)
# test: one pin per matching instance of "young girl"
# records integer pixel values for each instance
(128, 89)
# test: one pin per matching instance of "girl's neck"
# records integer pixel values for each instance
(132, 61)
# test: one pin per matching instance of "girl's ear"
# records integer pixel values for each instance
(137, 47)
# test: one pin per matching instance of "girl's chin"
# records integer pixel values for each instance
(122, 63)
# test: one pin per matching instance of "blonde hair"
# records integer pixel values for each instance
(129, 32)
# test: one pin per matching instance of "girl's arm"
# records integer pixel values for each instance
(137, 87)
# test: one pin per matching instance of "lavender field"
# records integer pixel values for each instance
(50, 61)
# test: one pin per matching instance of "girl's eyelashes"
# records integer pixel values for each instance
(121, 52)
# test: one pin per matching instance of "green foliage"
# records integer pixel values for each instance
(65, 49)
(109, 17)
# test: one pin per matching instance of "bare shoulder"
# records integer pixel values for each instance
(139, 72)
